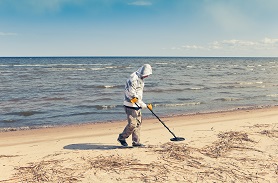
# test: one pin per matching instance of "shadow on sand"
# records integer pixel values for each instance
(90, 146)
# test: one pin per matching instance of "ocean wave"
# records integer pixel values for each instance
(9, 129)
(161, 63)
(215, 75)
(111, 67)
(243, 84)
(227, 99)
(104, 107)
(8, 121)
(50, 65)
(97, 69)
(103, 86)
(259, 82)
(272, 95)
(239, 68)
(53, 98)
(99, 107)
(75, 69)
(163, 90)
(196, 88)
(178, 104)
(158, 90)
(109, 86)
(184, 99)
(246, 83)
(103, 99)
(4, 65)
(24, 113)
(84, 113)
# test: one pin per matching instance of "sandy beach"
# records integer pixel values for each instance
(234, 146)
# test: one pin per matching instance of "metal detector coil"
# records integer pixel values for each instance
(177, 139)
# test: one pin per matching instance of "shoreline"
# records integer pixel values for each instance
(26, 128)
(239, 146)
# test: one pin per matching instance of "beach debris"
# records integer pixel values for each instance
(111, 163)
(47, 171)
(226, 142)
(269, 130)
(148, 172)
(174, 151)
(270, 133)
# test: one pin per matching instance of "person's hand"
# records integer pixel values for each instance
(149, 106)
(134, 100)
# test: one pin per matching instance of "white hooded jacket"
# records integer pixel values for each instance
(134, 86)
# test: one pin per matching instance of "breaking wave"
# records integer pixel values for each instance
(272, 95)
(227, 99)
(178, 104)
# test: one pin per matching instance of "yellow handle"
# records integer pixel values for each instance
(134, 100)
(150, 107)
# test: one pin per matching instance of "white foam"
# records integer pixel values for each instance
(67, 69)
(111, 67)
(161, 63)
(246, 83)
(195, 88)
(272, 95)
(179, 104)
(108, 86)
(97, 69)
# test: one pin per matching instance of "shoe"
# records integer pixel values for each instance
(137, 144)
(123, 142)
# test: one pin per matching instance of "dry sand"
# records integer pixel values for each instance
(237, 146)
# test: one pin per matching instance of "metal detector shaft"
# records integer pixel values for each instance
(163, 123)
(160, 121)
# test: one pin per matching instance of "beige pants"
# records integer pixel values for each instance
(134, 119)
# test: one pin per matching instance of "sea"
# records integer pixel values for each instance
(43, 92)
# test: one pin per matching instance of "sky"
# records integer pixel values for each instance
(193, 28)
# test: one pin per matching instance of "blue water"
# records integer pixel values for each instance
(43, 92)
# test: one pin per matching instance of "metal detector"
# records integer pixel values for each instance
(172, 139)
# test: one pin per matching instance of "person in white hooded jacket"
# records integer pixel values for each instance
(133, 103)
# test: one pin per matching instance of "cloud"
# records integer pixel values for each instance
(140, 3)
(270, 41)
(234, 44)
(266, 43)
(192, 47)
(8, 34)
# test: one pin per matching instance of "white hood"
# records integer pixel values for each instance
(145, 70)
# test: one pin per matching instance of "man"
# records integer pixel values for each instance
(133, 104)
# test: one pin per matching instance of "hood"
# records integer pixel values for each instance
(145, 70)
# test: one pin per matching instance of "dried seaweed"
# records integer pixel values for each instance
(187, 162)
(270, 133)
(111, 163)
(146, 172)
(174, 151)
(226, 142)
(47, 171)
